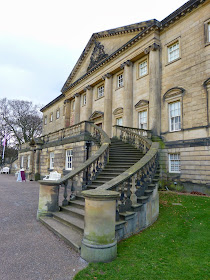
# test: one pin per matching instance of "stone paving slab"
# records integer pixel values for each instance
(28, 250)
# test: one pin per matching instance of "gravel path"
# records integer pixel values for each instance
(28, 250)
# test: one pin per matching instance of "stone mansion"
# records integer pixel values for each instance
(152, 75)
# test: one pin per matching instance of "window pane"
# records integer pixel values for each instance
(143, 68)
(69, 159)
(174, 163)
(175, 116)
(143, 120)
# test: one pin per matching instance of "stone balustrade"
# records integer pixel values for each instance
(79, 178)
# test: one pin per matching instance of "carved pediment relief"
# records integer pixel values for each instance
(97, 55)
(117, 111)
(174, 92)
(96, 115)
(141, 103)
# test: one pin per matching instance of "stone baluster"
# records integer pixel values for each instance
(65, 194)
(128, 201)
(133, 190)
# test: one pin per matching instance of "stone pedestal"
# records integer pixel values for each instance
(128, 93)
(108, 104)
(48, 199)
(99, 243)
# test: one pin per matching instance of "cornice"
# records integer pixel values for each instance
(180, 13)
(142, 26)
(126, 46)
(144, 30)
(52, 102)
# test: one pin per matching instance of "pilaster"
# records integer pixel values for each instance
(77, 108)
(128, 93)
(154, 88)
(108, 104)
(89, 101)
(67, 112)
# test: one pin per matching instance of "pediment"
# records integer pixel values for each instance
(96, 115)
(141, 103)
(173, 92)
(101, 45)
(117, 111)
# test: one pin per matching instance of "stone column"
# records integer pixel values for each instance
(67, 112)
(77, 108)
(37, 162)
(128, 93)
(108, 104)
(99, 243)
(89, 101)
(48, 199)
(154, 88)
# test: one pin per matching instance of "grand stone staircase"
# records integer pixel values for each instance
(68, 223)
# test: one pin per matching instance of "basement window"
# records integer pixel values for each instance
(174, 163)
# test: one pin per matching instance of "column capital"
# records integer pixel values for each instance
(153, 47)
(126, 63)
(87, 88)
(76, 95)
(108, 75)
(66, 101)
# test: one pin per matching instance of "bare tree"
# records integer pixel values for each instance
(20, 119)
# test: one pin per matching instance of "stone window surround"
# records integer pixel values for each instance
(28, 161)
(66, 159)
(207, 32)
(52, 158)
(96, 91)
(45, 120)
(173, 95)
(142, 105)
(118, 113)
(170, 162)
(143, 59)
(51, 117)
(21, 161)
(169, 44)
(58, 113)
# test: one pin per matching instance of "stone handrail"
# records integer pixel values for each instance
(63, 133)
(142, 132)
(133, 182)
(78, 178)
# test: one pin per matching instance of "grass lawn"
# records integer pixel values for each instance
(177, 246)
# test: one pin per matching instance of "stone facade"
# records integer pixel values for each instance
(154, 75)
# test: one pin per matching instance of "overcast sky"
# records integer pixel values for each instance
(41, 40)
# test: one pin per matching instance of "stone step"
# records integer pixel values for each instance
(122, 157)
(99, 182)
(142, 199)
(117, 161)
(77, 203)
(151, 186)
(71, 221)
(148, 192)
(73, 211)
(68, 234)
